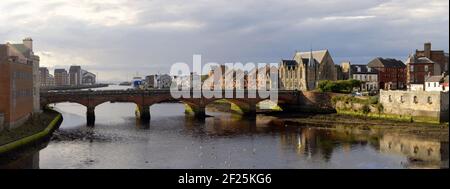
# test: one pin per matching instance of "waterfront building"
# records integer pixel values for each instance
(436, 83)
(75, 75)
(88, 78)
(438, 56)
(418, 68)
(163, 81)
(367, 75)
(416, 87)
(305, 70)
(391, 73)
(19, 81)
(61, 77)
(46, 79)
(150, 81)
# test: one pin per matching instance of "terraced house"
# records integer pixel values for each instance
(19, 83)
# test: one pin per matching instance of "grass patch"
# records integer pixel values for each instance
(43, 126)
(391, 117)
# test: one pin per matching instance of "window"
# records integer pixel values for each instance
(401, 99)
(412, 68)
(390, 98)
(435, 84)
(429, 100)
(415, 100)
(426, 68)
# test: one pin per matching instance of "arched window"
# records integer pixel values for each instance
(415, 100)
(429, 100)
(390, 98)
(401, 99)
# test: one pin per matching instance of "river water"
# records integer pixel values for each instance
(225, 140)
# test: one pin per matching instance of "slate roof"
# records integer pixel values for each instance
(289, 62)
(364, 69)
(386, 63)
(317, 55)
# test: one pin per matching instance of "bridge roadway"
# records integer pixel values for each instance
(288, 100)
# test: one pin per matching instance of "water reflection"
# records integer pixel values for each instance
(224, 140)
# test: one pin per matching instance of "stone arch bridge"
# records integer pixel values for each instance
(288, 100)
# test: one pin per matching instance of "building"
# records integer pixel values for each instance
(305, 70)
(416, 87)
(438, 56)
(46, 79)
(19, 81)
(391, 73)
(436, 83)
(326, 68)
(163, 81)
(75, 75)
(367, 75)
(150, 81)
(418, 68)
(345, 69)
(445, 83)
(88, 78)
(61, 77)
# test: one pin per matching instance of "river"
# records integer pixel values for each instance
(225, 140)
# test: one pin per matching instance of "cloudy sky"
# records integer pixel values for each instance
(117, 38)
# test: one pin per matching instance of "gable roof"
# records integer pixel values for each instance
(413, 59)
(435, 78)
(318, 55)
(386, 63)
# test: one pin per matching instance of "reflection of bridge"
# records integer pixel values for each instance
(298, 101)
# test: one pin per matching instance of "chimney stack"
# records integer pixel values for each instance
(427, 49)
(28, 42)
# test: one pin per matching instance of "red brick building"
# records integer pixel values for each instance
(418, 68)
(16, 85)
(438, 56)
(391, 73)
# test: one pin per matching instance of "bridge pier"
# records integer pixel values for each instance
(90, 116)
(199, 112)
(144, 113)
(250, 111)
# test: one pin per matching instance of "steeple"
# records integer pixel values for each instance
(311, 59)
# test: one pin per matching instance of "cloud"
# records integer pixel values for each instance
(124, 36)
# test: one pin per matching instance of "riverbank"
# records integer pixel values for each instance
(426, 130)
(38, 128)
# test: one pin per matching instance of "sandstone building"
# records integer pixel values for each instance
(305, 70)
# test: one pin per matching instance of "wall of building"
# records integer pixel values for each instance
(416, 103)
(16, 92)
(433, 86)
(36, 85)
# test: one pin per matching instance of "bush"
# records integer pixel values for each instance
(365, 109)
(340, 86)
(373, 99)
